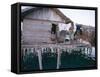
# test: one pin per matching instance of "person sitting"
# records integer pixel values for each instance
(78, 33)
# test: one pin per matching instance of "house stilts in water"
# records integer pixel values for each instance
(40, 30)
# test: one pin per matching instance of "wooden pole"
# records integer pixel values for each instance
(39, 58)
(32, 50)
(58, 58)
(90, 51)
(84, 50)
(23, 53)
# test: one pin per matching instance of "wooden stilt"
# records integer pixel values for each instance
(84, 50)
(58, 58)
(23, 51)
(39, 58)
(90, 51)
(32, 50)
(28, 51)
(51, 49)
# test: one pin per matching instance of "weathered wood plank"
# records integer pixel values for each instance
(45, 14)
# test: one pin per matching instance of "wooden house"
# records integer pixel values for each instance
(41, 25)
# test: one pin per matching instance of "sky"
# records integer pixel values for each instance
(85, 17)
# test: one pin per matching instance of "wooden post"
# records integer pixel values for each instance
(28, 51)
(58, 58)
(90, 51)
(32, 50)
(51, 49)
(23, 51)
(84, 50)
(39, 58)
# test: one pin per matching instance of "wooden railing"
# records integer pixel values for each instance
(55, 48)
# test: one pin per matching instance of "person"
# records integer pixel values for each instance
(71, 33)
(78, 32)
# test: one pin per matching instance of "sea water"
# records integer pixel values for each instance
(49, 60)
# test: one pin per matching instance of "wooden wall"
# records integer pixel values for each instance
(36, 31)
(37, 26)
